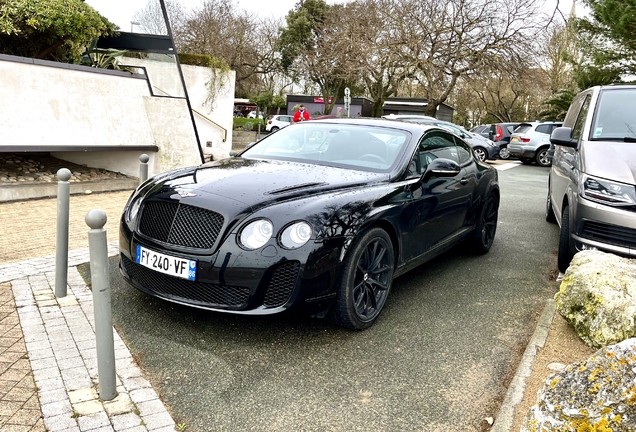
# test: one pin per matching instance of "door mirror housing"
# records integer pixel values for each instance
(441, 168)
(562, 136)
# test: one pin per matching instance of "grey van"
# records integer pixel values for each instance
(592, 182)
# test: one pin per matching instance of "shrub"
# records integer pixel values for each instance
(195, 59)
(50, 29)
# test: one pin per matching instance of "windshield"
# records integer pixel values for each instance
(615, 118)
(367, 148)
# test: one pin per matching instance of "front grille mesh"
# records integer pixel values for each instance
(180, 224)
(204, 294)
(612, 234)
(281, 285)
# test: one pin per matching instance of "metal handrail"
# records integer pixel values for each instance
(213, 122)
(202, 115)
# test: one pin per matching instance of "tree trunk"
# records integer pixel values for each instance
(376, 111)
(431, 108)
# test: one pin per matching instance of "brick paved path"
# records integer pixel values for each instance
(28, 228)
(48, 364)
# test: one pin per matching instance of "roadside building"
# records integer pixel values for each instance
(315, 105)
(415, 106)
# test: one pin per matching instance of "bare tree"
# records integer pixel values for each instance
(377, 53)
(513, 91)
(556, 51)
(246, 44)
(151, 20)
(444, 41)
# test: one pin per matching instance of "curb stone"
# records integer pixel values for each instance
(505, 417)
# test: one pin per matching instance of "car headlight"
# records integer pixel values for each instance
(256, 234)
(607, 192)
(295, 235)
(133, 208)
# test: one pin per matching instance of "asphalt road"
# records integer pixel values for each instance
(440, 357)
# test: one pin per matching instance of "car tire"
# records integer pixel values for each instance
(541, 158)
(549, 211)
(526, 161)
(486, 227)
(565, 255)
(481, 154)
(274, 128)
(504, 153)
(365, 281)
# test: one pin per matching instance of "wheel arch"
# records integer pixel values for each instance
(390, 230)
(383, 224)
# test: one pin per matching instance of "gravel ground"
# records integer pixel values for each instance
(41, 168)
(562, 346)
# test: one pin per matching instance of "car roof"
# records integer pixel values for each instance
(405, 116)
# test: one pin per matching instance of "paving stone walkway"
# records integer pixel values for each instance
(48, 359)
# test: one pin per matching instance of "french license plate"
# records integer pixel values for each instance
(173, 266)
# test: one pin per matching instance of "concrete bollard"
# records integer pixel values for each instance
(61, 247)
(143, 168)
(100, 282)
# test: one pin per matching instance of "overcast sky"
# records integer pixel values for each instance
(120, 12)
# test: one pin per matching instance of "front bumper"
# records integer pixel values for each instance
(261, 282)
(606, 228)
(493, 152)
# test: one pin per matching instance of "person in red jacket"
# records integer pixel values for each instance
(301, 114)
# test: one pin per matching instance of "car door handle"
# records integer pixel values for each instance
(464, 181)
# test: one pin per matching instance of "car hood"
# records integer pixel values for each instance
(258, 182)
(610, 160)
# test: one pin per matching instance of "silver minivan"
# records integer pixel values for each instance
(592, 182)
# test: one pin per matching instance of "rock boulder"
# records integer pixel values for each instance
(598, 297)
(593, 395)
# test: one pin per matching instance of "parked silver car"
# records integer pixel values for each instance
(592, 182)
(530, 142)
(483, 148)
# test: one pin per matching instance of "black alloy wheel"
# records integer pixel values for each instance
(486, 227)
(565, 255)
(480, 153)
(365, 282)
(541, 158)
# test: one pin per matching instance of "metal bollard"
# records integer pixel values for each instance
(61, 248)
(143, 168)
(100, 281)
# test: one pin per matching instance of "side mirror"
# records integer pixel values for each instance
(562, 136)
(233, 153)
(441, 168)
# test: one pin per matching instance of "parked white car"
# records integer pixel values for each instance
(278, 122)
(252, 115)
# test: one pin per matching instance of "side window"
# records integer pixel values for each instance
(286, 119)
(573, 111)
(464, 152)
(580, 120)
(434, 145)
(544, 128)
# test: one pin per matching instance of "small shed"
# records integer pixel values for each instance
(415, 106)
